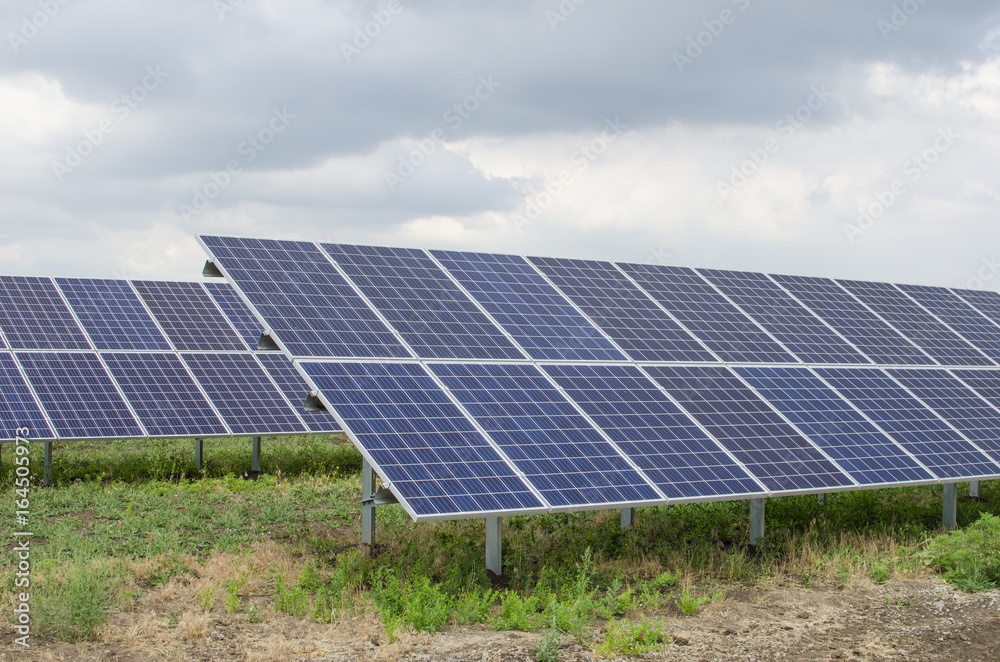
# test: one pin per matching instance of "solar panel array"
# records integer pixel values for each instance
(105, 358)
(480, 384)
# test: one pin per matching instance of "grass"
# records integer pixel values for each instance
(130, 522)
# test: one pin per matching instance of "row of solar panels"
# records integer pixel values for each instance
(495, 384)
(343, 301)
(100, 358)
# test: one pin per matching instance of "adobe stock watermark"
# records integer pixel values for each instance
(225, 7)
(988, 269)
(714, 27)
(581, 159)
(913, 169)
(564, 10)
(21, 554)
(659, 255)
(898, 17)
(454, 117)
(254, 144)
(121, 109)
(364, 34)
(786, 127)
(35, 23)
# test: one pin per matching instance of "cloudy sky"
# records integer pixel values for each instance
(851, 138)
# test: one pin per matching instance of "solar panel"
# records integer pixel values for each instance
(163, 395)
(664, 442)
(243, 394)
(188, 316)
(296, 390)
(959, 315)
(879, 341)
(770, 448)
(707, 314)
(956, 403)
(436, 461)
(79, 396)
(985, 301)
(18, 407)
(34, 316)
(984, 382)
(418, 299)
(112, 314)
(236, 311)
(914, 427)
(305, 301)
(622, 310)
(915, 323)
(858, 446)
(539, 318)
(559, 452)
(784, 317)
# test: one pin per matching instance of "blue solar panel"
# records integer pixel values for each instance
(34, 316)
(914, 427)
(433, 315)
(622, 310)
(244, 395)
(769, 447)
(984, 382)
(305, 301)
(436, 461)
(859, 447)
(985, 301)
(79, 396)
(960, 316)
(187, 314)
(560, 453)
(539, 318)
(784, 317)
(296, 390)
(163, 395)
(956, 403)
(112, 314)
(915, 323)
(707, 314)
(246, 323)
(18, 407)
(860, 326)
(664, 442)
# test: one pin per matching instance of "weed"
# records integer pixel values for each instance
(625, 638)
(426, 606)
(969, 558)
(517, 613)
(688, 604)
(880, 573)
(205, 596)
(291, 600)
(70, 604)
(474, 606)
(233, 587)
(548, 647)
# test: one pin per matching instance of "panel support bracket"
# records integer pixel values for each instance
(210, 270)
(367, 504)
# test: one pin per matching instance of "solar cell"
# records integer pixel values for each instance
(984, 382)
(622, 310)
(558, 451)
(243, 394)
(296, 390)
(956, 403)
(784, 317)
(79, 396)
(707, 314)
(18, 407)
(163, 395)
(664, 442)
(858, 446)
(539, 318)
(418, 299)
(879, 341)
(246, 323)
(985, 301)
(914, 427)
(959, 315)
(306, 302)
(436, 461)
(34, 316)
(915, 323)
(770, 448)
(187, 314)
(112, 314)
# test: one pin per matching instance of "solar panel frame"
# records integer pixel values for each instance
(19, 407)
(112, 315)
(188, 316)
(34, 316)
(236, 311)
(287, 378)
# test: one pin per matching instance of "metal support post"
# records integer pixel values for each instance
(48, 464)
(949, 517)
(199, 463)
(974, 488)
(821, 499)
(494, 553)
(256, 454)
(756, 520)
(628, 515)
(367, 507)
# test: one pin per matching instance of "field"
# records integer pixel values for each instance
(136, 555)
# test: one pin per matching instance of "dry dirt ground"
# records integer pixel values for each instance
(909, 619)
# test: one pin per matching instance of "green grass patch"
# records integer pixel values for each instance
(968, 558)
